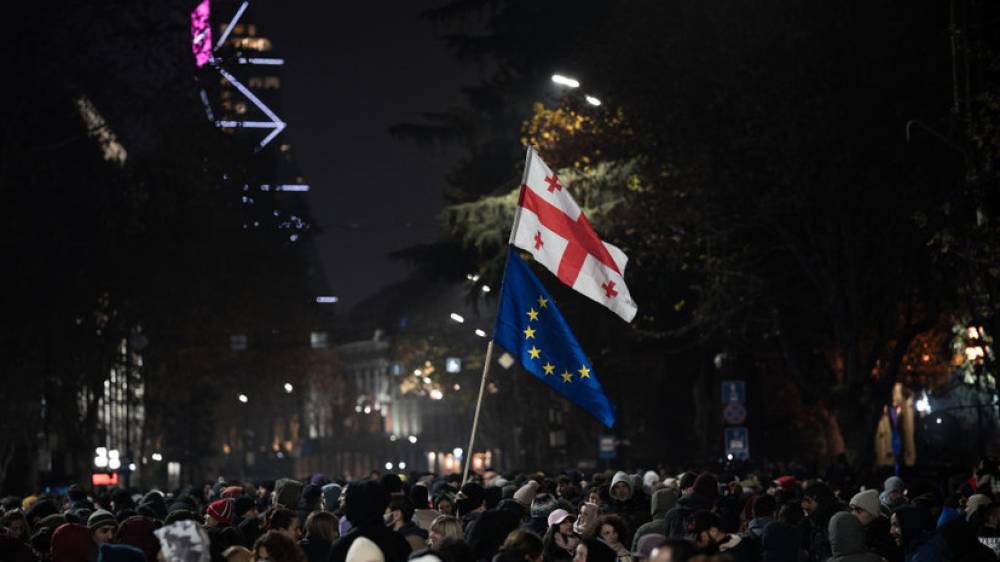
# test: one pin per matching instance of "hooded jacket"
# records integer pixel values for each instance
(364, 506)
(920, 542)
(635, 509)
(663, 501)
(677, 518)
(847, 540)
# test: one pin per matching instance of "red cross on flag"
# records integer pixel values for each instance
(550, 225)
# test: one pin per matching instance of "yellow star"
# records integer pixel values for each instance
(532, 315)
(535, 352)
(584, 372)
(542, 303)
(567, 377)
(529, 333)
(549, 368)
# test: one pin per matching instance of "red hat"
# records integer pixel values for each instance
(221, 511)
(786, 482)
(232, 492)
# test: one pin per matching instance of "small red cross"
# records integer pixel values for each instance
(609, 289)
(538, 240)
(553, 183)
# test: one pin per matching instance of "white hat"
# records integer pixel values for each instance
(364, 550)
(558, 516)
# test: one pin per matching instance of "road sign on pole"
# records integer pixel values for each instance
(734, 391)
(737, 442)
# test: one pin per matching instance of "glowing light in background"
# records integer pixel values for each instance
(565, 81)
(201, 34)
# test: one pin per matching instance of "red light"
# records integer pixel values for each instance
(104, 479)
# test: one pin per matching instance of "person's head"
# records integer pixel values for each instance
(244, 508)
(444, 504)
(562, 521)
(621, 487)
(815, 496)
(399, 512)
(274, 546)
(322, 525)
(865, 506)
(543, 505)
(526, 545)
(365, 502)
(764, 506)
(235, 553)
(706, 528)
(471, 499)
(17, 524)
(673, 550)
(909, 523)
(593, 550)
(284, 521)
(444, 527)
(103, 526)
(594, 495)
(563, 483)
(894, 487)
(219, 513)
(611, 529)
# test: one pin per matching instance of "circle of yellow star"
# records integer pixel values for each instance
(549, 368)
(542, 302)
(529, 333)
(532, 315)
(535, 352)
(584, 372)
(567, 377)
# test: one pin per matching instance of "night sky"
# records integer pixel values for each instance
(353, 70)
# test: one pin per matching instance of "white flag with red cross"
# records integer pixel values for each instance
(549, 224)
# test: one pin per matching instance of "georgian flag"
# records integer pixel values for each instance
(550, 225)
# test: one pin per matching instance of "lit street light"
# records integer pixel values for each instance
(289, 388)
(457, 451)
(413, 439)
(388, 466)
(486, 288)
(565, 81)
(457, 317)
(242, 398)
(480, 333)
(592, 100)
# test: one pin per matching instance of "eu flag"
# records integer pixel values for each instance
(531, 328)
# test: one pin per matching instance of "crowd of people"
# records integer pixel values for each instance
(651, 516)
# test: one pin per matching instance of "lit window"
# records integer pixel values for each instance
(272, 83)
(251, 29)
(255, 82)
(241, 108)
(318, 340)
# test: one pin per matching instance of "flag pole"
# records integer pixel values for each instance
(489, 346)
(479, 405)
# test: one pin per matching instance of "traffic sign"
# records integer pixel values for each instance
(734, 413)
(607, 447)
(733, 391)
(737, 442)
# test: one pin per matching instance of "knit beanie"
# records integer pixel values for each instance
(221, 511)
(469, 498)
(706, 485)
(867, 501)
(101, 518)
(364, 550)
(526, 494)
(232, 492)
(893, 483)
(119, 553)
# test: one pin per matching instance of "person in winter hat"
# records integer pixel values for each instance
(709, 538)
(399, 518)
(913, 529)
(847, 540)
(183, 541)
(892, 492)
(762, 510)
(541, 507)
(331, 496)
(525, 495)
(72, 543)
(311, 500)
(138, 531)
(648, 480)
(321, 532)
(287, 493)
(364, 506)
(103, 526)
(219, 513)
(819, 505)
(423, 515)
(628, 501)
(587, 520)
(487, 533)
(866, 506)
(782, 539)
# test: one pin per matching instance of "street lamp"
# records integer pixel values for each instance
(457, 317)
(565, 81)
(481, 333)
(592, 100)
(289, 388)
(242, 398)
(413, 439)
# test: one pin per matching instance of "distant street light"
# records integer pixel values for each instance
(436, 394)
(157, 457)
(457, 317)
(402, 465)
(242, 398)
(486, 288)
(289, 388)
(457, 451)
(565, 81)
(480, 333)
(592, 100)
(388, 466)
(413, 439)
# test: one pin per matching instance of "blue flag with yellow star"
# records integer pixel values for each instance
(531, 328)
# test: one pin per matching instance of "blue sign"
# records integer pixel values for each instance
(733, 391)
(737, 442)
(734, 413)
(607, 447)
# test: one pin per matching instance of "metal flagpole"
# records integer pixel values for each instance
(489, 347)
(479, 405)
